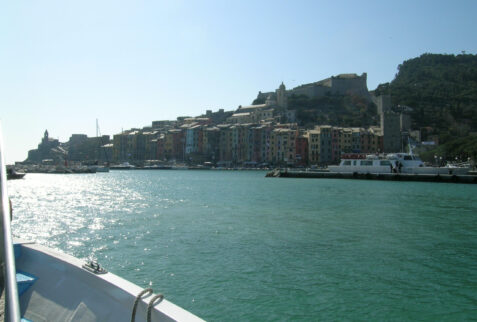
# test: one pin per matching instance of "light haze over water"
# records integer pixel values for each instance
(233, 245)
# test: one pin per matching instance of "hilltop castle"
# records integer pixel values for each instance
(342, 84)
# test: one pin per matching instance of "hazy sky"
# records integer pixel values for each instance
(64, 64)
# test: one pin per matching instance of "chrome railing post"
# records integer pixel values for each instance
(12, 306)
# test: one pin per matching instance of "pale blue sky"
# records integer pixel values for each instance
(65, 63)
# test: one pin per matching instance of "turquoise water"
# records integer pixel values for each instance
(233, 245)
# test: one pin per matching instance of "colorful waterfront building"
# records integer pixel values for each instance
(161, 147)
(225, 143)
(313, 146)
(301, 149)
(346, 140)
(122, 146)
(193, 142)
(282, 150)
(366, 141)
(150, 145)
(211, 143)
(325, 141)
(175, 144)
(356, 139)
(336, 133)
(244, 144)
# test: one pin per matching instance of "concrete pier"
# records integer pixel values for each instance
(375, 176)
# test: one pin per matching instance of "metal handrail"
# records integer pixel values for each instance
(12, 306)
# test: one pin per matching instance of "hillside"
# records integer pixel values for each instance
(332, 109)
(441, 89)
(339, 110)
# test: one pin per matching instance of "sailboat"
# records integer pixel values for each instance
(103, 168)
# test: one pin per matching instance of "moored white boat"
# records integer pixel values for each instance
(393, 163)
(361, 163)
(412, 164)
(12, 174)
(122, 166)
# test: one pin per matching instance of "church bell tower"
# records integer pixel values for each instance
(282, 96)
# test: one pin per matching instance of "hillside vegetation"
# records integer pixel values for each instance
(442, 90)
(339, 110)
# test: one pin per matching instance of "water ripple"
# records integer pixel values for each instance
(245, 247)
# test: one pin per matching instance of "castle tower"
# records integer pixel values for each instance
(282, 96)
(383, 102)
(45, 137)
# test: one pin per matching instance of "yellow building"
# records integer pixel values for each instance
(282, 146)
(313, 146)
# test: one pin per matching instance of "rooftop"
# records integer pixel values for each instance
(241, 114)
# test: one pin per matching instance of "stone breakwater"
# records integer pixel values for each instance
(375, 176)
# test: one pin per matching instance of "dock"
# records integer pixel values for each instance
(375, 176)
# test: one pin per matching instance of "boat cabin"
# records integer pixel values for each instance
(361, 163)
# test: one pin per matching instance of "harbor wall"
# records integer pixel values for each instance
(376, 176)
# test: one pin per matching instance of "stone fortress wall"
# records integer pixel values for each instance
(343, 84)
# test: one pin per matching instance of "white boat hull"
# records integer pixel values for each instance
(359, 169)
(386, 169)
(64, 291)
(393, 163)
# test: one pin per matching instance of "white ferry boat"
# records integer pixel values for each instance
(393, 163)
(412, 164)
(362, 163)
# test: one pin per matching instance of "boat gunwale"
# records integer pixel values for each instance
(128, 290)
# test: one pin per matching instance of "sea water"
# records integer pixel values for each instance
(234, 245)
